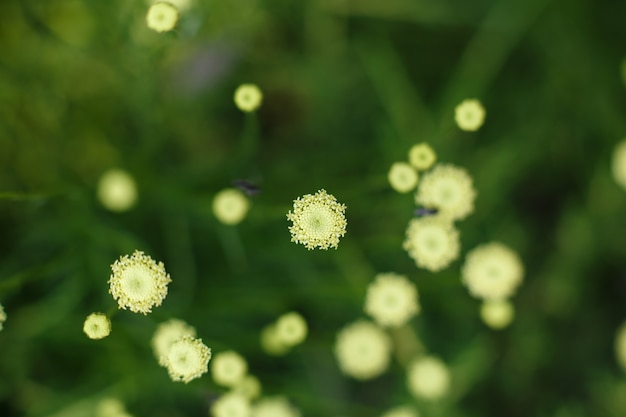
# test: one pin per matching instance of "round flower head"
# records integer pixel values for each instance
(162, 17)
(271, 343)
(469, 115)
(248, 97)
(422, 156)
(391, 300)
(620, 346)
(432, 242)
(492, 271)
(117, 190)
(428, 378)
(187, 359)
(362, 350)
(274, 407)
(402, 411)
(291, 329)
(618, 167)
(232, 404)
(166, 335)
(138, 283)
(318, 220)
(111, 407)
(230, 206)
(97, 326)
(402, 177)
(228, 368)
(449, 189)
(249, 387)
(497, 314)
(181, 5)
(3, 317)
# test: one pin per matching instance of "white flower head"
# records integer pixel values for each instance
(111, 407)
(271, 343)
(138, 283)
(248, 97)
(166, 334)
(162, 16)
(432, 242)
(620, 346)
(449, 189)
(428, 378)
(249, 387)
(422, 156)
(402, 177)
(402, 411)
(3, 316)
(618, 166)
(497, 314)
(117, 190)
(391, 300)
(187, 359)
(492, 271)
(232, 404)
(97, 326)
(228, 368)
(230, 206)
(274, 407)
(362, 350)
(318, 220)
(291, 329)
(469, 115)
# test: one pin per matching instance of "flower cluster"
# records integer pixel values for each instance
(428, 378)
(289, 330)
(97, 326)
(449, 189)
(228, 368)
(187, 359)
(391, 300)
(162, 16)
(432, 242)
(469, 115)
(363, 350)
(230, 206)
(248, 97)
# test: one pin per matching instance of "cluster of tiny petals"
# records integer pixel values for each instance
(469, 115)
(162, 16)
(97, 326)
(618, 166)
(432, 242)
(274, 407)
(230, 206)
(362, 350)
(291, 329)
(422, 156)
(428, 378)
(248, 97)
(492, 271)
(187, 359)
(497, 314)
(138, 283)
(232, 404)
(449, 189)
(402, 177)
(620, 346)
(166, 335)
(391, 300)
(228, 368)
(318, 220)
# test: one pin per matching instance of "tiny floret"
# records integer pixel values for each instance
(422, 156)
(230, 206)
(117, 190)
(492, 271)
(291, 329)
(402, 177)
(428, 378)
(618, 167)
(620, 346)
(138, 283)
(274, 407)
(228, 368)
(318, 220)
(362, 350)
(162, 17)
(166, 335)
(497, 314)
(97, 326)
(391, 300)
(3, 317)
(232, 404)
(432, 242)
(248, 97)
(449, 189)
(187, 359)
(402, 411)
(469, 115)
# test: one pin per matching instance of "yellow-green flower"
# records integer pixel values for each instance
(117, 190)
(422, 156)
(391, 300)
(618, 166)
(232, 404)
(249, 387)
(497, 314)
(274, 407)
(428, 378)
(167, 334)
(469, 115)
(449, 189)
(318, 220)
(402, 177)
(187, 359)
(248, 97)
(291, 329)
(402, 411)
(432, 242)
(228, 368)
(162, 17)
(97, 326)
(362, 350)
(138, 283)
(3, 316)
(230, 206)
(620, 346)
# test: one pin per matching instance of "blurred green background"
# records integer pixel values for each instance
(349, 86)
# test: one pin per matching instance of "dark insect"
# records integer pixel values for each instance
(423, 212)
(247, 187)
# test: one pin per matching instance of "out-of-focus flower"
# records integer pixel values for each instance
(402, 411)
(187, 359)
(318, 220)
(391, 300)
(469, 115)
(138, 282)
(228, 368)
(618, 167)
(432, 242)
(620, 346)
(422, 156)
(97, 326)
(3, 317)
(274, 407)
(249, 387)
(271, 343)
(362, 350)
(248, 97)
(232, 404)
(402, 177)
(497, 314)
(117, 190)
(492, 271)
(449, 189)
(111, 407)
(428, 378)
(162, 16)
(230, 206)
(291, 329)
(166, 334)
